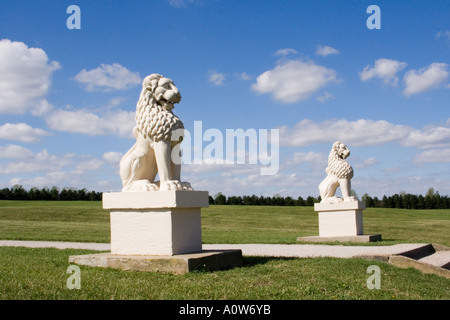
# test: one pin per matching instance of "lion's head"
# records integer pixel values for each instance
(336, 161)
(154, 117)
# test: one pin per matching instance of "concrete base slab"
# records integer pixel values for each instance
(405, 262)
(359, 238)
(210, 260)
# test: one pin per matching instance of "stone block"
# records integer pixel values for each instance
(340, 221)
(155, 223)
(210, 260)
(156, 231)
(155, 200)
(359, 238)
(339, 206)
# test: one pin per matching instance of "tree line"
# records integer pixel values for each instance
(431, 200)
(276, 200)
(17, 192)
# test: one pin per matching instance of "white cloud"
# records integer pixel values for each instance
(366, 163)
(108, 77)
(39, 162)
(325, 97)
(294, 80)
(285, 52)
(112, 157)
(114, 102)
(431, 136)
(180, 3)
(357, 133)
(247, 180)
(316, 160)
(90, 165)
(384, 69)
(244, 76)
(21, 132)
(443, 34)
(216, 78)
(13, 151)
(425, 79)
(326, 51)
(364, 132)
(42, 169)
(433, 156)
(25, 76)
(119, 123)
(42, 108)
(61, 179)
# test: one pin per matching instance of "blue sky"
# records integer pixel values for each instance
(312, 69)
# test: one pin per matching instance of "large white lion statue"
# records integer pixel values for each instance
(158, 131)
(339, 174)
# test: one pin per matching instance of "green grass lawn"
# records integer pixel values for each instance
(83, 221)
(27, 273)
(88, 222)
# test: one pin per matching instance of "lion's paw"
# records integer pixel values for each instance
(140, 186)
(175, 185)
(170, 185)
(186, 186)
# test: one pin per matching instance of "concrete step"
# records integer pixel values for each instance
(420, 252)
(439, 259)
(428, 259)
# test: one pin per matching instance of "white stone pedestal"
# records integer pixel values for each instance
(155, 223)
(342, 221)
(158, 231)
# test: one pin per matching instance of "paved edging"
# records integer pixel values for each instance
(271, 250)
(397, 255)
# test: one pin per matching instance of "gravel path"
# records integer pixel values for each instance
(271, 250)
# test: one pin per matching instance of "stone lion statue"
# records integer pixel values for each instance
(158, 131)
(339, 174)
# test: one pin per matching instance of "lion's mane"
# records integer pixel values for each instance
(152, 120)
(337, 165)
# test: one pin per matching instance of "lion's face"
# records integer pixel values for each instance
(343, 151)
(154, 116)
(164, 91)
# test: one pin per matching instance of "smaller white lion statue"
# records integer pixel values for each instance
(339, 174)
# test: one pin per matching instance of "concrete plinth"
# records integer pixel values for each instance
(340, 219)
(210, 260)
(158, 231)
(155, 223)
(342, 222)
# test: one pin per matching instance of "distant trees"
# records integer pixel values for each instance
(17, 192)
(431, 200)
(403, 200)
(254, 200)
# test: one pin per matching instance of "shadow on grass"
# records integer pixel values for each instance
(247, 262)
